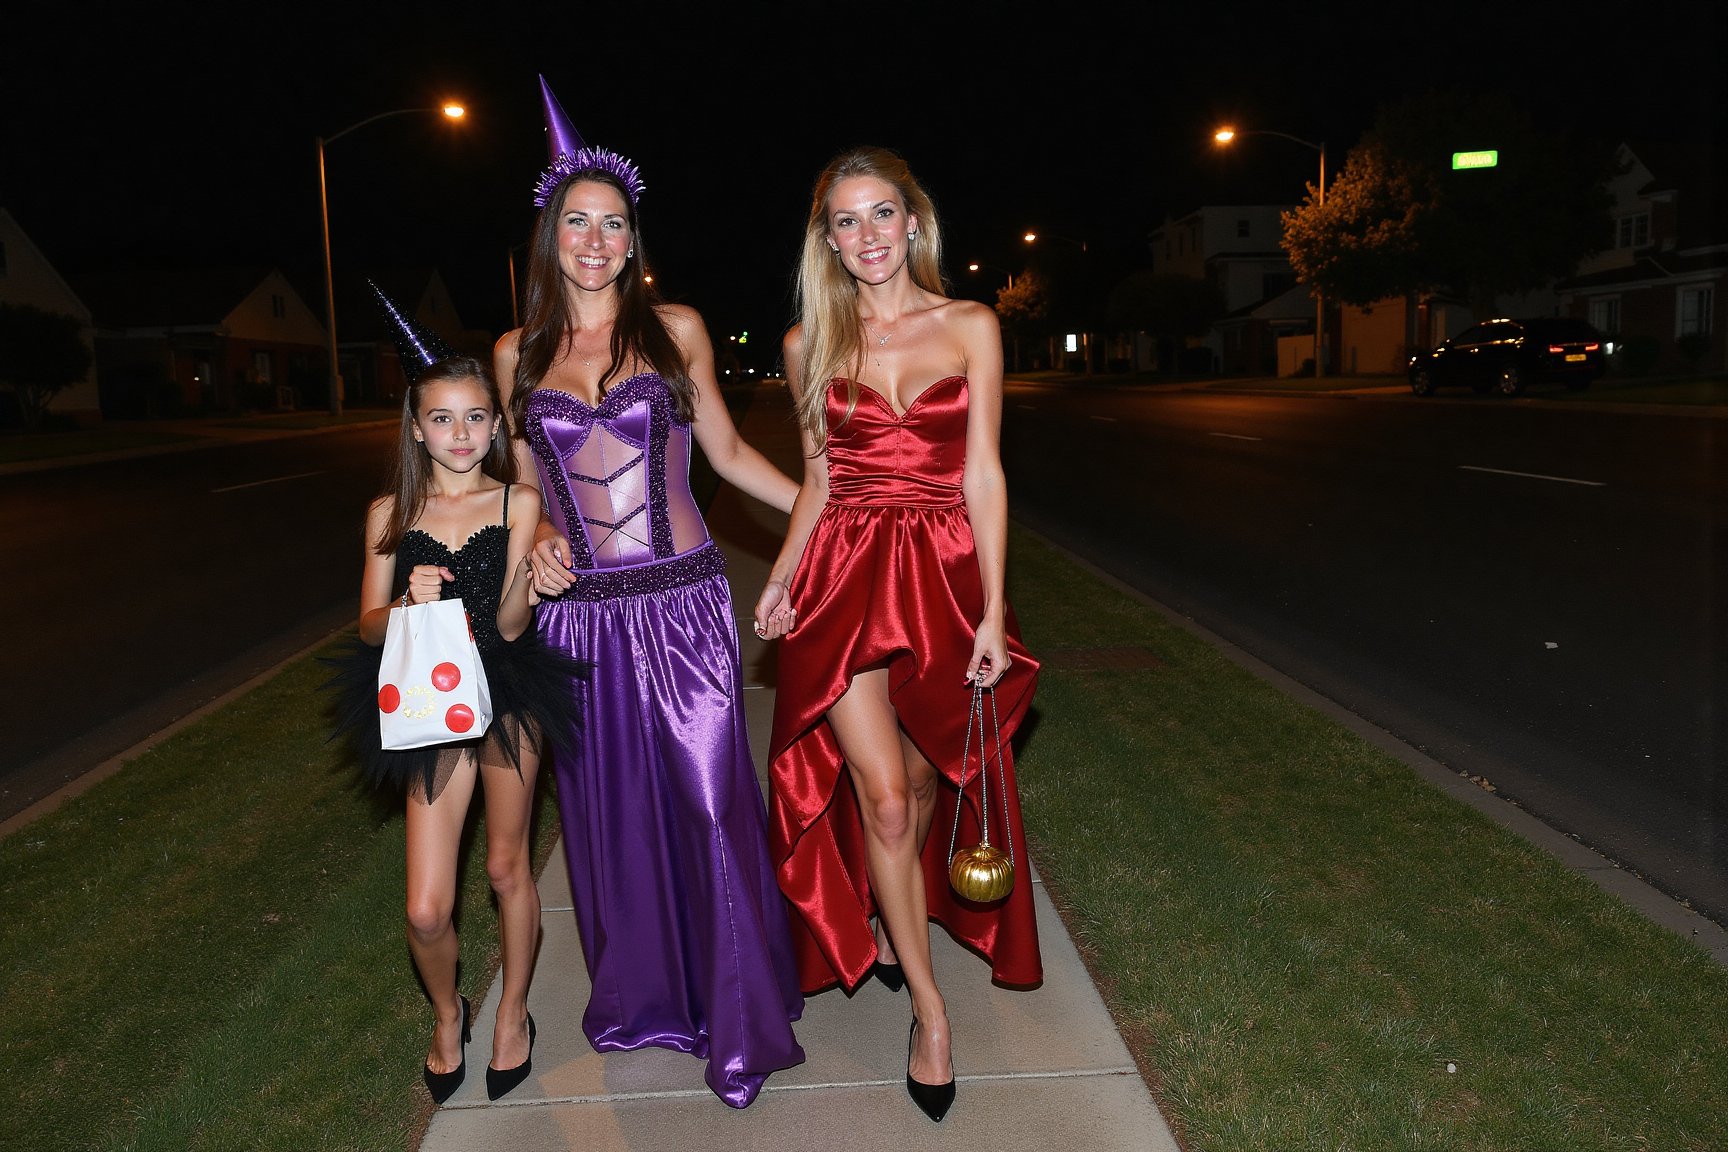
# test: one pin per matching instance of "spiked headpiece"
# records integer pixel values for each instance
(570, 155)
(418, 350)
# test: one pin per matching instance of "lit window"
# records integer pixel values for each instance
(1694, 312)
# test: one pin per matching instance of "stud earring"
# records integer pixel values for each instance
(630, 254)
(911, 235)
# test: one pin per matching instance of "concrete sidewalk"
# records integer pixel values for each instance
(1037, 1070)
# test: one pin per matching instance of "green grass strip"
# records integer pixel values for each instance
(1307, 947)
(207, 950)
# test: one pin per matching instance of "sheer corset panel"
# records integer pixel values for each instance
(617, 476)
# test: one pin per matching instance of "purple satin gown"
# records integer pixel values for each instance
(683, 926)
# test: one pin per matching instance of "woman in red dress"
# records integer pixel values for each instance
(888, 594)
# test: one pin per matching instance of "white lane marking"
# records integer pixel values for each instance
(1027, 407)
(1232, 436)
(1105, 419)
(272, 480)
(1535, 476)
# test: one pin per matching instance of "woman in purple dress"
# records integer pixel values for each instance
(682, 923)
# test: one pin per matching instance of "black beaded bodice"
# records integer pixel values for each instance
(479, 570)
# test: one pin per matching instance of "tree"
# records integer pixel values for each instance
(1169, 306)
(1022, 309)
(1400, 221)
(41, 353)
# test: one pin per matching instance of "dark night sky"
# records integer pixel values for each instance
(185, 133)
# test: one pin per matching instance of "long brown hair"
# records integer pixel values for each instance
(827, 295)
(638, 332)
(409, 473)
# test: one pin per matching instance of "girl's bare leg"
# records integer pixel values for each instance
(870, 740)
(434, 833)
(509, 815)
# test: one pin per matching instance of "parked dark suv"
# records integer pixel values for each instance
(1505, 355)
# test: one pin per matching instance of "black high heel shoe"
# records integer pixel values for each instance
(893, 976)
(499, 1081)
(443, 1085)
(933, 1100)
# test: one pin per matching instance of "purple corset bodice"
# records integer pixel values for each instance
(616, 478)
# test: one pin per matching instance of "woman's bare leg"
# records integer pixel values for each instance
(870, 740)
(923, 777)
(509, 815)
(434, 834)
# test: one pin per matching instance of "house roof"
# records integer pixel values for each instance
(1648, 268)
(1692, 175)
(140, 297)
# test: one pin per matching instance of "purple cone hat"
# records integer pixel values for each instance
(568, 155)
(418, 350)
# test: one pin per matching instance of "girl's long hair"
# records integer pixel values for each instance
(410, 472)
(638, 333)
(827, 295)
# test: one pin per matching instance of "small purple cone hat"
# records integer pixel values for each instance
(567, 154)
(418, 350)
(562, 139)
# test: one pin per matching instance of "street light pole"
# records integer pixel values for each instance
(1085, 337)
(1224, 136)
(454, 112)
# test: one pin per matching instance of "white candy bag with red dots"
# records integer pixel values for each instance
(431, 685)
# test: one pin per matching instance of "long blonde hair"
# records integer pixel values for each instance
(827, 295)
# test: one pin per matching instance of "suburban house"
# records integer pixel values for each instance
(1237, 248)
(26, 277)
(1656, 288)
(371, 371)
(172, 341)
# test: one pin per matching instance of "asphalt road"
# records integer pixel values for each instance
(1527, 593)
(145, 588)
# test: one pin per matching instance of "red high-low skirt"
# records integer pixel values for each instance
(890, 578)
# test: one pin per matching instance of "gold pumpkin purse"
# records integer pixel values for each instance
(982, 873)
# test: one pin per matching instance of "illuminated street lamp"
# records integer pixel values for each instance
(1224, 136)
(975, 266)
(1032, 238)
(452, 110)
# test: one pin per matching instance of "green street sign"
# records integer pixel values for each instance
(1489, 159)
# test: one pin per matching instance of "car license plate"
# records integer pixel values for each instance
(1574, 357)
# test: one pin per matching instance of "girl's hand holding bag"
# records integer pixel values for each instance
(431, 685)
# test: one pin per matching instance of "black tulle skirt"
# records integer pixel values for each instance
(532, 687)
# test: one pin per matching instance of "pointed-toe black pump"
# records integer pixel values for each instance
(443, 1085)
(892, 976)
(933, 1100)
(499, 1081)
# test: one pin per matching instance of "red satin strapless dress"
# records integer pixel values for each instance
(890, 577)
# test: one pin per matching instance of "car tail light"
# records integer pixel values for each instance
(1556, 349)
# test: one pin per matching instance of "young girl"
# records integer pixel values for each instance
(454, 523)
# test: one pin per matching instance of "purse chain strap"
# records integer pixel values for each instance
(975, 719)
